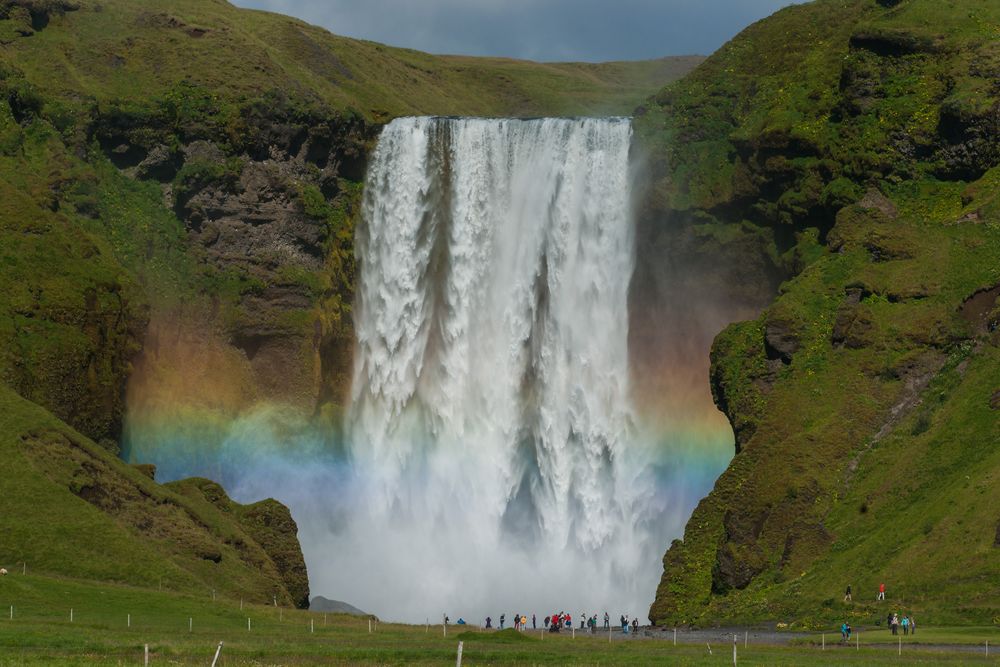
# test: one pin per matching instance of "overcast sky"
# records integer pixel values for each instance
(591, 30)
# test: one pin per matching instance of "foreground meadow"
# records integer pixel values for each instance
(112, 625)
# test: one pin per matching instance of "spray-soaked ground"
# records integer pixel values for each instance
(493, 460)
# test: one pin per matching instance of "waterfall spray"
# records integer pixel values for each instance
(491, 430)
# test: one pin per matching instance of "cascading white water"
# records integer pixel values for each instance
(494, 458)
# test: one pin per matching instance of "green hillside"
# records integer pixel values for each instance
(858, 160)
(72, 508)
(138, 50)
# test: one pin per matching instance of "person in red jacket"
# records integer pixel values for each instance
(881, 592)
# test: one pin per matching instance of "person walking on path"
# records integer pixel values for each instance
(906, 625)
(503, 617)
(913, 625)
(534, 625)
(635, 625)
(847, 595)
(607, 621)
(881, 592)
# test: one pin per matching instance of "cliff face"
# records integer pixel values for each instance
(178, 188)
(858, 141)
(267, 214)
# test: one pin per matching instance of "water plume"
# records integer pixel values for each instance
(494, 460)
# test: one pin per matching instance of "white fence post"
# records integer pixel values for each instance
(145, 656)
(217, 652)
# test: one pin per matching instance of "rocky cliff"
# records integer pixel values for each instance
(851, 149)
(178, 188)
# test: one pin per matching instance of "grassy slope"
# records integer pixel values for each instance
(41, 634)
(870, 455)
(138, 49)
(71, 507)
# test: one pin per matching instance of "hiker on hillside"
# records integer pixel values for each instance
(635, 625)
(583, 620)
(881, 592)
(503, 617)
(847, 595)
(895, 624)
(913, 625)
(906, 625)
(489, 623)
(534, 625)
(843, 631)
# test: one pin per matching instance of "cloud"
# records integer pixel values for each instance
(590, 30)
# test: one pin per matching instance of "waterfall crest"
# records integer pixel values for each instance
(491, 422)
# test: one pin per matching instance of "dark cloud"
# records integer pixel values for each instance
(592, 30)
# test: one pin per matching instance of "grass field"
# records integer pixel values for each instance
(112, 624)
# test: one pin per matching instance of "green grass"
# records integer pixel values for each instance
(133, 50)
(41, 633)
(73, 508)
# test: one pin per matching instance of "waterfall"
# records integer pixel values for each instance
(495, 461)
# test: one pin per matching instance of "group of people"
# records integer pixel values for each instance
(893, 621)
(520, 621)
(562, 620)
(908, 623)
